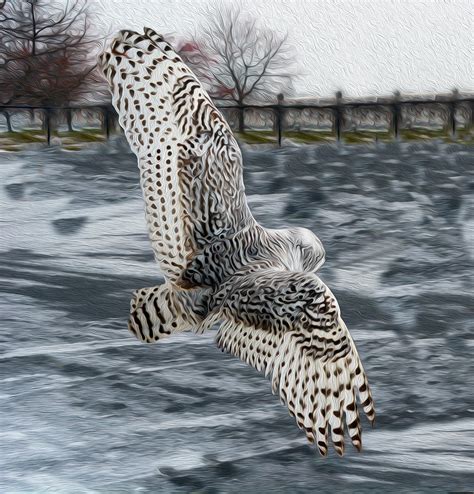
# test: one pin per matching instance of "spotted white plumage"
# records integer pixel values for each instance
(221, 266)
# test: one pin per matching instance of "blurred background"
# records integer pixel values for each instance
(356, 120)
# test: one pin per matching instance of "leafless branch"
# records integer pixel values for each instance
(46, 52)
(237, 59)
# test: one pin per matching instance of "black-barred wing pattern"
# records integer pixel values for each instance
(221, 266)
(289, 326)
(190, 163)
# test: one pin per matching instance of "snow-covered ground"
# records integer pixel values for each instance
(86, 408)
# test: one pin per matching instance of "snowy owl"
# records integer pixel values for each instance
(220, 265)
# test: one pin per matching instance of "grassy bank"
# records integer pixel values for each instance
(77, 139)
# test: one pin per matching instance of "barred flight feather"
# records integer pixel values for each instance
(221, 266)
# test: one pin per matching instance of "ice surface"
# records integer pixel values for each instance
(85, 408)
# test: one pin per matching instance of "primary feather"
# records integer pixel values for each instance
(220, 265)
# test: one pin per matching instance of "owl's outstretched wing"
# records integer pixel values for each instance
(190, 163)
(289, 325)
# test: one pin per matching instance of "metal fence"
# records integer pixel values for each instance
(390, 114)
(51, 113)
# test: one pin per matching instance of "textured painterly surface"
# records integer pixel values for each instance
(220, 265)
(361, 47)
(87, 408)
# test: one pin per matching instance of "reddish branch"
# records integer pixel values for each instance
(237, 59)
(46, 53)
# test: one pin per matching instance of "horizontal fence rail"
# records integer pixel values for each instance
(390, 114)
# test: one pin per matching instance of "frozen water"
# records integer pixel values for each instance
(85, 408)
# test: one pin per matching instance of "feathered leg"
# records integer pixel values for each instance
(158, 311)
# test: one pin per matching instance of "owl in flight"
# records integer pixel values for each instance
(220, 265)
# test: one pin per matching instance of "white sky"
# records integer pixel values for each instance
(362, 47)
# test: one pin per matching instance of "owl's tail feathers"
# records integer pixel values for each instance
(159, 311)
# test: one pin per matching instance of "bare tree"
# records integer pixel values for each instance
(46, 52)
(239, 60)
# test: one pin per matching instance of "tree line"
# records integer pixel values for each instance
(49, 48)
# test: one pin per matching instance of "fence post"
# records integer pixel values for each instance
(241, 117)
(452, 112)
(6, 114)
(69, 120)
(279, 117)
(338, 116)
(396, 116)
(106, 122)
(47, 121)
(471, 119)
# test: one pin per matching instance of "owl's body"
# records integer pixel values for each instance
(220, 265)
